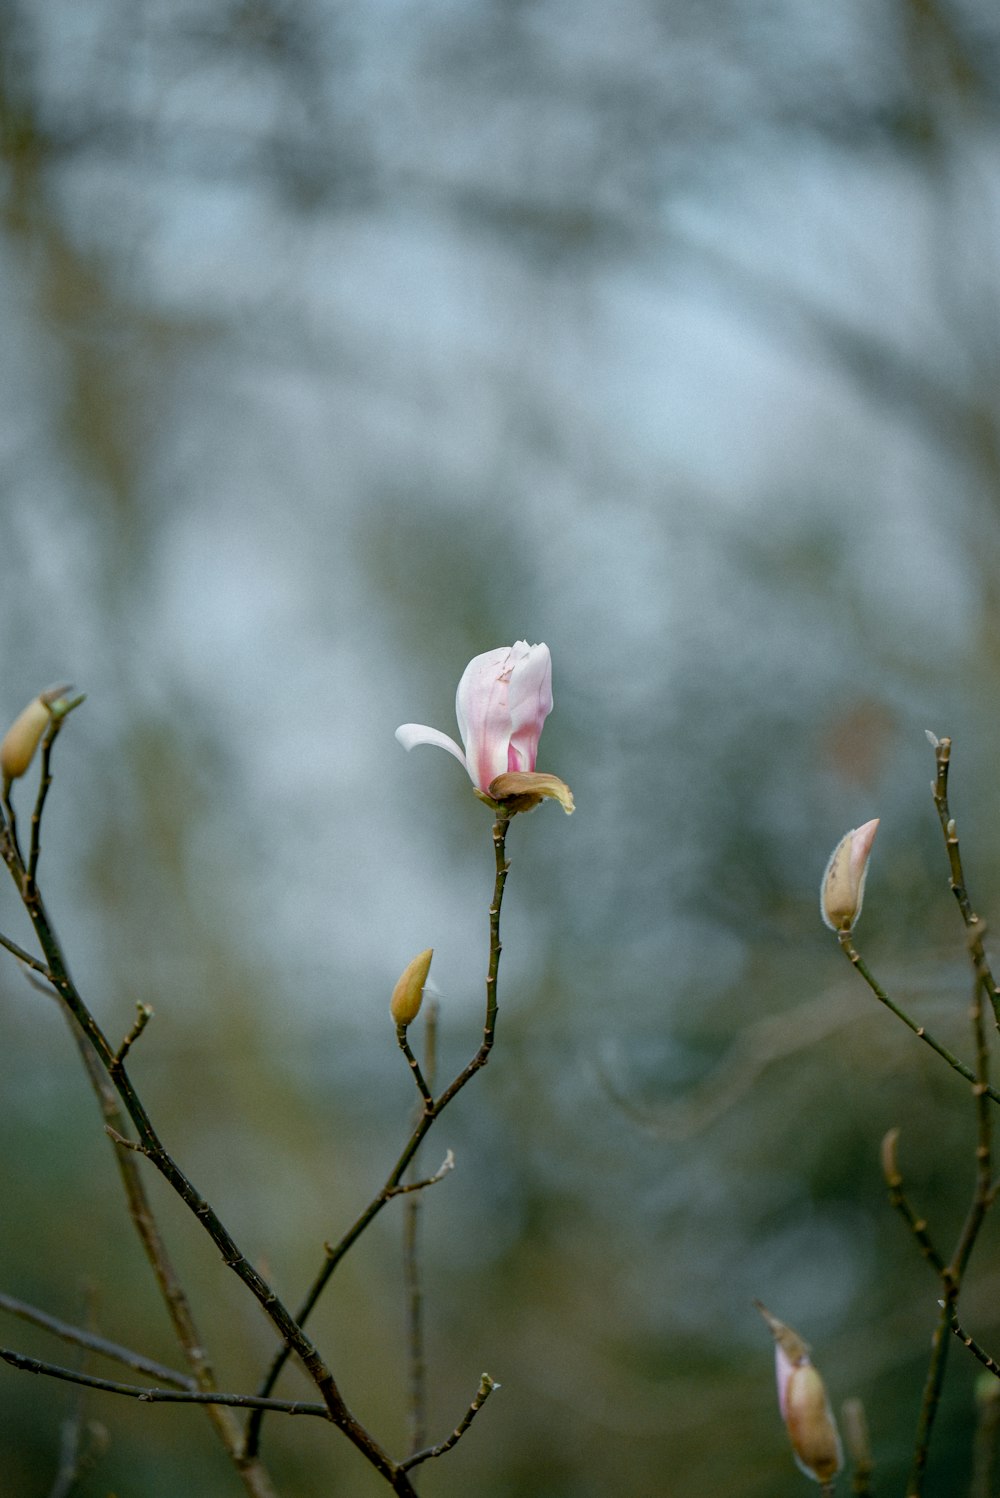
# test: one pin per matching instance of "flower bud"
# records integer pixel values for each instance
(843, 887)
(804, 1406)
(409, 990)
(22, 739)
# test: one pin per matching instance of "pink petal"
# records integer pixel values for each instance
(530, 702)
(481, 707)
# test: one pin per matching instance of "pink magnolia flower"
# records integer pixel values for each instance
(501, 704)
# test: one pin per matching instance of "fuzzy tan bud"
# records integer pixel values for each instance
(24, 735)
(409, 990)
(804, 1405)
(843, 887)
(22, 739)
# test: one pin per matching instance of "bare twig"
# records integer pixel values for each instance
(923, 1034)
(25, 957)
(423, 1087)
(975, 927)
(486, 1388)
(917, 1225)
(416, 1353)
(447, 1164)
(93, 1343)
(147, 1395)
(983, 1191)
(990, 1364)
(143, 1016)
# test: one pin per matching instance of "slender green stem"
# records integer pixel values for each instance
(432, 1110)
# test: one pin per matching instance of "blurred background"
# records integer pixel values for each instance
(341, 343)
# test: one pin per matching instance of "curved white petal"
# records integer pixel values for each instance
(411, 734)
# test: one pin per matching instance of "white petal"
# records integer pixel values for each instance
(411, 734)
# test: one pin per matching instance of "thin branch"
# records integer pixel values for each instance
(335, 1252)
(854, 957)
(416, 1351)
(147, 1395)
(486, 1387)
(977, 1352)
(422, 1086)
(25, 957)
(143, 1017)
(975, 927)
(982, 1195)
(81, 1338)
(44, 782)
(940, 1342)
(291, 1333)
(252, 1473)
(8, 807)
(917, 1225)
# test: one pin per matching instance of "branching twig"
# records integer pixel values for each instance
(982, 1195)
(102, 1059)
(432, 1110)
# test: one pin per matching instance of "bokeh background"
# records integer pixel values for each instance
(342, 342)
